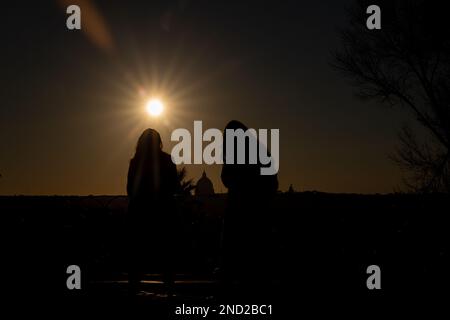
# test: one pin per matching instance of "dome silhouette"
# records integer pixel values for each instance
(204, 186)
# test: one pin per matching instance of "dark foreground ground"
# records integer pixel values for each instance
(323, 246)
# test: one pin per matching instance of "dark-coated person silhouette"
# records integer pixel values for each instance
(247, 219)
(152, 183)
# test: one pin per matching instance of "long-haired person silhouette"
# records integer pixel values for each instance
(152, 183)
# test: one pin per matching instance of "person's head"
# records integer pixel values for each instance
(234, 125)
(149, 143)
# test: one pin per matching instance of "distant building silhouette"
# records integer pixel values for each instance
(291, 189)
(204, 186)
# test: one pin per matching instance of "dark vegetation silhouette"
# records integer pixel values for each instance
(406, 64)
(247, 234)
(186, 185)
(324, 243)
(152, 183)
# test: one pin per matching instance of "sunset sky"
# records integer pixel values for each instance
(73, 102)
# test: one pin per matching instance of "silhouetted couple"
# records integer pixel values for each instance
(152, 183)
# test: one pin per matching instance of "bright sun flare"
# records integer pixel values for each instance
(154, 107)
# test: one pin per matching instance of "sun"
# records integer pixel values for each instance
(154, 107)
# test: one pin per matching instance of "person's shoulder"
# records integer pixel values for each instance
(166, 158)
(132, 162)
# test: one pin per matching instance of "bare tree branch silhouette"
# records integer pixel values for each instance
(406, 64)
